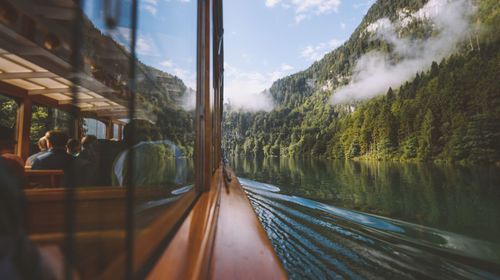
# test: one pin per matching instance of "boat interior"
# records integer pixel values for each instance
(61, 69)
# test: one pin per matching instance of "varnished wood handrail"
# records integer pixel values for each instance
(36, 172)
(99, 193)
(221, 238)
(60, 194)
(59, 238)
(188, 254)
(54, 176)
(242, 249)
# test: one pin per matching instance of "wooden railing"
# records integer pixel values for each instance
(44, 178)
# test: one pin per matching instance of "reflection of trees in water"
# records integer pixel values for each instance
(456, 198)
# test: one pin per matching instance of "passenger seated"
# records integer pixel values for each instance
(56, 157)
(87, 163)
(107, 150)
(7, 146)
(73, 147)
(156, 161)
(42, 145)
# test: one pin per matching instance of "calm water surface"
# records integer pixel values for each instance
(377, 220)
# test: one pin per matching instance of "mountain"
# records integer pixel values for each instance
(417, 80)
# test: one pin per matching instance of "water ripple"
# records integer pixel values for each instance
(320, 241)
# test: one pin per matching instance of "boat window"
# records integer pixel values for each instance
(216, 87)
(213, 125)
(163, 128)
(43, 119)
(116, 134)
(94, 127)
(125, 91)
(8, 111)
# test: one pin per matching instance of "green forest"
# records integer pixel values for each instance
(449, 113)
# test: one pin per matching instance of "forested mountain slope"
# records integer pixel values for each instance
(449, 111)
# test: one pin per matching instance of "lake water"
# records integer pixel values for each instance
(331, 219)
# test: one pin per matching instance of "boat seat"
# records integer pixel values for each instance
(44, 178)
(94, 250)
(96, 208)
(100, 222)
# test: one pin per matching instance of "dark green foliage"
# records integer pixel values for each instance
(159, 93)
(8, 111)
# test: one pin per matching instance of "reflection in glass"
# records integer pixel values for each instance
(87, 99)
(156, 161)
(43, 119)
(8, 111)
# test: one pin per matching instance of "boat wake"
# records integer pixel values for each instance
(319, 241)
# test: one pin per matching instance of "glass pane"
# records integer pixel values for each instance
(103, 97)
(156, 151)
(8, 115)
(212, 94)
(43, 119)
(94, 127)
(162, 140)
(166, 77)
(115, 131)
(8, 111)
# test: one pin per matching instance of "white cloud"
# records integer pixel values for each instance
(145, 44)
(280, 73)
(150, 5)
(286, 67)
(167, 63)
(151, 9)
(307, 8)
(247, 90)
(122, 36)
(317, 52)
(187, 76)
(342, 25)
(364, 5)
(246, 57)
(299, 18)
(375, 72)
(272, 3)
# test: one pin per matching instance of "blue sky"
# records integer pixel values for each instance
(269, 39)
(264, 39)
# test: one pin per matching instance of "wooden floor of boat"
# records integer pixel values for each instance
(221, 238)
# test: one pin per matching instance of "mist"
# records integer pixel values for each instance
(248, 90)
(375, 73)
(188, 101)
(246, 101)
(250, 101)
